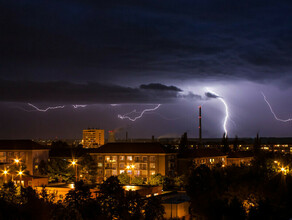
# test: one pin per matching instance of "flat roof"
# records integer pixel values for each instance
(125, 147)
(21, 145)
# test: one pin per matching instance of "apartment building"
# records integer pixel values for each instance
(136, 159)
(208, 156)
(23, 151)
(93, 138)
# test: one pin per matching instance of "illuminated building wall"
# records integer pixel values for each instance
(113, 159)
(93, 138)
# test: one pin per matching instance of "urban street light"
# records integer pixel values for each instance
(74, 164)
(130, 167)
(5, 173)
(20, 173)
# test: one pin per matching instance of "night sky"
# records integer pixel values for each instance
(119, 56)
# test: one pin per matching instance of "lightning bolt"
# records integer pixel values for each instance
(226, 111)
(79, 106)
(125, 116)
(275, 116)
(46, 109)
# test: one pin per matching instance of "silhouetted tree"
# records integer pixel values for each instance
(226, 148)
(235, 143)
(183, 145)
(153, 208)
(88, 169)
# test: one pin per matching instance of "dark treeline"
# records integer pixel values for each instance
(112, 203)
(260, 191)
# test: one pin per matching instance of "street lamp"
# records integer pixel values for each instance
(130, 167)
(5, 173)
(20, 173)
(74, 164)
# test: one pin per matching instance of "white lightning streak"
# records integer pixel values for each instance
(79, 106)
(276, 117)
(125, 116)
(226, 111)
(44, 110)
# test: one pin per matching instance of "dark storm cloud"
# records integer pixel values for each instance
(211, 95)
(81, 40)
(88, 93)
(161, 87)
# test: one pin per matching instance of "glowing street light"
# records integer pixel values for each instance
(20, 173)
(5, 173)
(130, 167)
(16, 160)
(74, 164)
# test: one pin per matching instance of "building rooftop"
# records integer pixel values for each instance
(151, 147)
(20, 145)
(198, 153)
(240, 154)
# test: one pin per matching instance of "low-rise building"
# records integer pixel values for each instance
(240, 158)
(136, 159)
(208, 157)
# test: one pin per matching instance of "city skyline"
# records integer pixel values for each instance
(96, 61)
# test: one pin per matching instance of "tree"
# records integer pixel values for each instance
(78, 201)
(112, 198)
(226, 148)
(235, 143)
(124, 178)
(156, 179)
(257, 144)
(137, 180)
(183, 145)
(88, 169)
(60, 171)
(153, 209)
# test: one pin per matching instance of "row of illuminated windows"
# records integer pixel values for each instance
(10, 156)
(209, 160)
(128, 158)
(137, 166)
(129, 172)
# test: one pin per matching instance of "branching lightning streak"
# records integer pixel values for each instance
(45, 110)
(275, 116)
(79, 106)
(226, 111)
(125, 116)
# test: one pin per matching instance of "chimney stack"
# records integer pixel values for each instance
(200, 124)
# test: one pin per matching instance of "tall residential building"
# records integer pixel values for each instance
(93, 138)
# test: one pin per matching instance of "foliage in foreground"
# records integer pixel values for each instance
(252, 192)
(113, 203)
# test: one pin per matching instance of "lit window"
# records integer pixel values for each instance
(122, 158)
(99, 164)
(129, 158)
(122, 165)
(152, 158)
(122, 171)
(152, 165)
(212, 160)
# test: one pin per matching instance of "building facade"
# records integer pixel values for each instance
(240, 158)
(93, 138)
(135, 159)
(26, 152)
